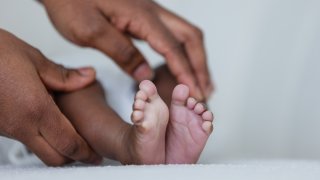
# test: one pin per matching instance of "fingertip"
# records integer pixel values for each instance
(80, 78)
(143, 72)
(87, 71)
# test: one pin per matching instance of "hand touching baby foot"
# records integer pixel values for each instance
(189, 128)
(150, 118)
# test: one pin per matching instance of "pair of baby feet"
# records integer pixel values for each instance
(163, 136)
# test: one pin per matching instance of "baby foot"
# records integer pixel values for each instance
(189, 128)
(150, 118)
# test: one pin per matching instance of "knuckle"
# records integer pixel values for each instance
(126, 53)
(86, 34)
(61, 75)
(196, 33)
(174, 48)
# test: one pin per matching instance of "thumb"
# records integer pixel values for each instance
(58, 78)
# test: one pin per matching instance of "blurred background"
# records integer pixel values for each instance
(264, 56)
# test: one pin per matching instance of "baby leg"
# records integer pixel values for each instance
(95, 121)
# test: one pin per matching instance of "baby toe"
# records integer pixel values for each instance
(191, 103)
(141, 95)
(180, 95)
(137, 116)
(149, 88)
(199, 108)
(207, 126)
(207, 116)
(139, 104)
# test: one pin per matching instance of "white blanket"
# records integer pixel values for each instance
(282, 170)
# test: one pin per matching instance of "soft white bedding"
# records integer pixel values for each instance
(291, 170)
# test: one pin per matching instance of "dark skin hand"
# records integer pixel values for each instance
(109, 25)
(27, 110)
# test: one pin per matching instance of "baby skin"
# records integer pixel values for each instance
(158, 135)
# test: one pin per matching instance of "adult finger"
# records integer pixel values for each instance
(106, 38)
(192, 39)
(45, 152)
(61, 135)
(163, 41)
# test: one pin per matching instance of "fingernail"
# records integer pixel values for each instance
(86, 71)
(143, 72)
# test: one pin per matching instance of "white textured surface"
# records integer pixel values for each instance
(274, 170)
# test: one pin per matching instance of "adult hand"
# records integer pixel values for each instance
(28, 112)
(107, 25)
